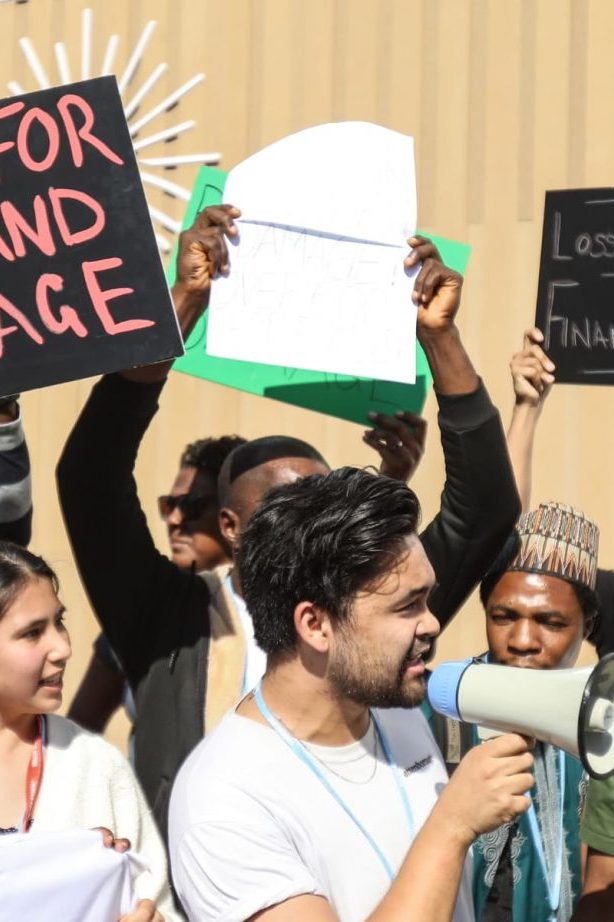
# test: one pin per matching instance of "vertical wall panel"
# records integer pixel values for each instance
(526, 107)
(578, 83)
(476, 111)
(313, 52)
(400, 38)
(428, 140)
(453, 105)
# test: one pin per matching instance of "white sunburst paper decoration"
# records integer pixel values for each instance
(132, 107)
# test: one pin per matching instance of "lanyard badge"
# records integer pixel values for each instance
(305, 756)
(34, 774)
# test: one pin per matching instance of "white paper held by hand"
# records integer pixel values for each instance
(317, 278)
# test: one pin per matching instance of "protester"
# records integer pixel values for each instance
(303, 803)
(74, 779)
(533, 374)
(540, 604)
(157, 616)
(190, 512)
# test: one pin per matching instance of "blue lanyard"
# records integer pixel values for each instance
(305, 756)
(553, 886)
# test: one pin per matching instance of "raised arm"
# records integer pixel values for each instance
(201, 258)
(479, 503)
(121, 568)
(532, 377)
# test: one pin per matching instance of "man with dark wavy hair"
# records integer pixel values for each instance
(308, 800)
(303, 803)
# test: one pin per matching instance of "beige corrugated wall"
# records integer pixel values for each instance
(506, 98)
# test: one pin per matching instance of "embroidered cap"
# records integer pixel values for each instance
(558, 540)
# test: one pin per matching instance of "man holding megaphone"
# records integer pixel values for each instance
(323, 797)
(540, 603)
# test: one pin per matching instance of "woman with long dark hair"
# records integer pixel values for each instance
(54, 776)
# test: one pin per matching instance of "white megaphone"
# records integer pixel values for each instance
(570, 708)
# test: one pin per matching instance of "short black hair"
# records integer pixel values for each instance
(208, 455)
(587, 597)
(320, 539)
(252, 454)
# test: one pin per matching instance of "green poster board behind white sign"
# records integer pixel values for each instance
(336, 395)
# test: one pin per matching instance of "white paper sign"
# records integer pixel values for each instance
(317, 278)
(67, 876)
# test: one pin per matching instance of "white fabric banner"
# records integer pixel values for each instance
(67, 876)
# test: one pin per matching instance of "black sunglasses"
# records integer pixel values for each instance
(191, 507)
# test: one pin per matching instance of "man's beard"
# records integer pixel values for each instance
(369, 679)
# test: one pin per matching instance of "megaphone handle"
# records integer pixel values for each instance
(553, 887)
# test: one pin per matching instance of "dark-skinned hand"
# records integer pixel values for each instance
(399, 441)
(202, 257)
(437, 289)
(203, 253)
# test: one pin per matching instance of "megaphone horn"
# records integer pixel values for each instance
(570, 708)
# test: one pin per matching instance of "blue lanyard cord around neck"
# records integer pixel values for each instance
(553, 885)
(305, 756)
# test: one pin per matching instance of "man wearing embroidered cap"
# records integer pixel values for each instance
(540, 604)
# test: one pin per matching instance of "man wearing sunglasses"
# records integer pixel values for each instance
(190, 512)
(165, 623)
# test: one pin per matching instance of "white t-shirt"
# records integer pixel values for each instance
(252, 826)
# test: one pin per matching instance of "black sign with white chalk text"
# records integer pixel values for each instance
(575, 299)
(82, 288)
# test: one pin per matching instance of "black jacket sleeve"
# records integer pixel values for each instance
(479, 503)
(131, 585)
(602, 635)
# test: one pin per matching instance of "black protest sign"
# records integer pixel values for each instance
(575, 301)
(82, 288)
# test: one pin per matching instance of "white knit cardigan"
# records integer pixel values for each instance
(88, 783)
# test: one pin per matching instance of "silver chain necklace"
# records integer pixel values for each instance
(337, 773)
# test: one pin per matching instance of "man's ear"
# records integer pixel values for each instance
(312, 626)
(229, 527)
